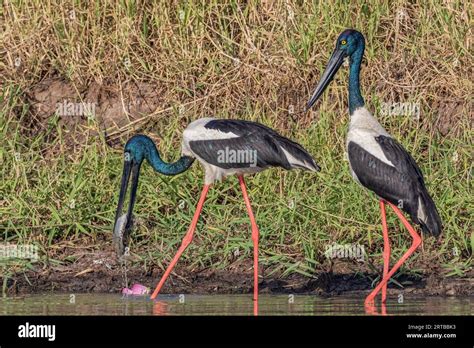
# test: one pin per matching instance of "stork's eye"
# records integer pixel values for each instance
(343, 42)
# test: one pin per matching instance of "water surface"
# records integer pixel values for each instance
(115, 304)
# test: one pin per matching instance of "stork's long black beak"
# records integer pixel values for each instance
(124, 222)
(333, 66)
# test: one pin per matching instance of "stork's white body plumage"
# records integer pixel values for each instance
(363, 129)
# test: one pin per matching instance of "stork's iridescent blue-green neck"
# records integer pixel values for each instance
(141, 147)
(350, 43)
(355, 60)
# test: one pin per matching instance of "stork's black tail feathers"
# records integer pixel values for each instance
(430, 221)
(299, 157)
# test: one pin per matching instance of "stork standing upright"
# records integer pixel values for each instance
(224, 147)
(378, 162)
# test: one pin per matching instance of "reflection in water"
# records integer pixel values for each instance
(160, 308)
(372, 310)
(113, 304)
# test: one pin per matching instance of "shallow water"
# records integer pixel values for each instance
(115, 304)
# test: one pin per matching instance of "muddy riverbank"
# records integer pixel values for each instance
(94, 272)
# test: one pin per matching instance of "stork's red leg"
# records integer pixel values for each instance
(416, 243)
(370, 309)
(186, 241)
(386, 249)
(255, 235)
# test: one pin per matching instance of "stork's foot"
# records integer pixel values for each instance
(372, 310)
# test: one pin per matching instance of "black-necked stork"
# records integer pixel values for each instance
(377, 161)
(224, 147)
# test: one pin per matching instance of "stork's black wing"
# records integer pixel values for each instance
(400, 158)
(252, 150)
(385, 180)
(401, 184)
(270, 145)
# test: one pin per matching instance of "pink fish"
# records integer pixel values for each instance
(137, 289)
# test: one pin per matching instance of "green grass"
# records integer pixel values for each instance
(54, 190)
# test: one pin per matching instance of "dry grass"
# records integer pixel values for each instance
(221, 57)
